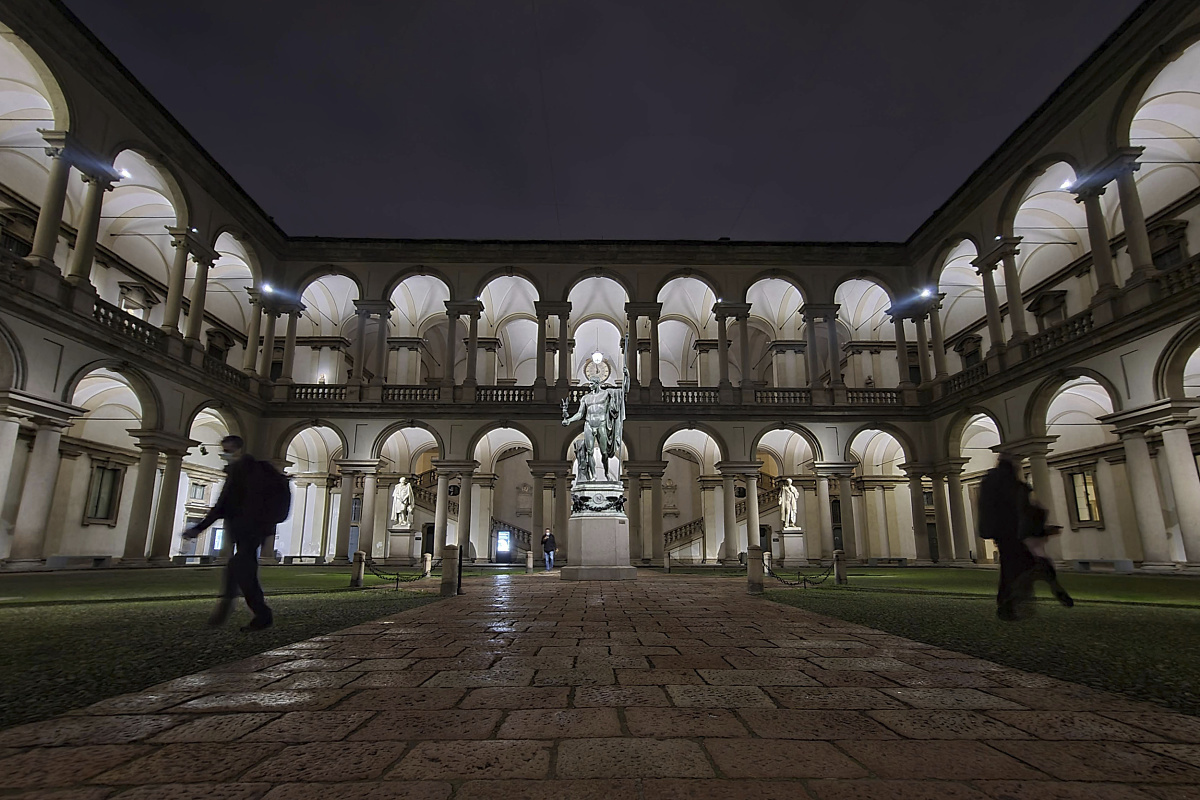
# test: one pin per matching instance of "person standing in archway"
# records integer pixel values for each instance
(549, 547)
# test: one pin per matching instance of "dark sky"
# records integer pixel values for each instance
(613, 119)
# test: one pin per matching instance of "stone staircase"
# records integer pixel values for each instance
(685, 535)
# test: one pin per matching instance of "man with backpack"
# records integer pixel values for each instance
(254, 500)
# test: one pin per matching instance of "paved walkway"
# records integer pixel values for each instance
(670, 687)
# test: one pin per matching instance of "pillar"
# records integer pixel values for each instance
(743, 321)
(958, 518)
(289, 347)
(196, 306)
(916, 492)
(922, 349)
(564, 354)
(1012, 291)
(901, 351)
(9, 428)
(138, 528)
(1185, 484)
(825, 514)
(811, 357)
(1098, 239)
(635, 516)
(939, 342)
(1137, 240)
(849, 533)
(472, 349)
(1147, 507)
(722, 349)
(752, 521)
(168, 497)
(441, 511)
(320, 522)
(631, 347)
(366, 525)
(250, 357)
(835, 352)
(539, 507)
(341, 547)
(80, 272)
(562, 509)
(655, 380)
(268, 351)
(941, 519)
(656, 517)
(45, 237)
(360, 347)
(542, 320)
(381, 350)
(175, 281)
(884, 549)
(992, 304)
(37, 493)
(466, 488)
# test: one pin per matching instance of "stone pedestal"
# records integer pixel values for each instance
(404, 546)
(598, 534)
(793, 549)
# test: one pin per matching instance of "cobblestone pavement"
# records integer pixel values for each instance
(668, 687)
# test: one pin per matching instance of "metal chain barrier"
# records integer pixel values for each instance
(804, 580)
(397, 577)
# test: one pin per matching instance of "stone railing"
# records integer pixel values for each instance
(1185, 276)
(13, 269)
(873, 397)
(1077, 327)
(411, 394)
(316, 392)
(128, 326)
(783, 397)
(226, 374)
(504, 394)
(521, 537)
(427, 499)
(682, 535)
(968, 377)
(690, 396)
(768, 498)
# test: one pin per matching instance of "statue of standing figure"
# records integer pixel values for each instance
(403, 504)
(603, 412)
(789, 501)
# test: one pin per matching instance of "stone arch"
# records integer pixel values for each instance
(178, 193)
(279, 451)
(60, 104)
(13, 369)
(1127, 104)
(516, 425)
(712, 433)
(953, 440)
(1039, 401)
(507, 272)
(690, 272)
(399, 425)
(147, 395)
(229, 416)
(868, 275)
(1016, 192)
(242, 238)
(316, 273)
(419, 270)
(898, 433)
(598, 272)
(779, 274)
(943, 251)
(1169, 371)
(813, 443)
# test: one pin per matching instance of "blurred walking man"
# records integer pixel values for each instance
(1002, 496)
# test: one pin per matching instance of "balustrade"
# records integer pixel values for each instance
(684, 533)
(12, 269)
(411, 394)
(1185, 276)
(683, 396)
(1077, 327)
(128, 326)
(873, 397)
(521, 537)
(504, 394)
(316, 392)
(218, 369)
(968, 377)
(783, 397)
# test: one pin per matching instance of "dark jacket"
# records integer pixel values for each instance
(548, 544)
(239, 505)
(1000, 503)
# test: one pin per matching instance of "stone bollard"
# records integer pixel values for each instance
(754, 569)
(360, 569)
(767, 563)
(449, 571)
(667, 563)
(839, 567)
(426, 564)
(529, 563)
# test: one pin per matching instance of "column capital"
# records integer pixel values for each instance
(950, 467)
(355, 465)
(1121, 161)
(372, 307)
(469, 308)
(1001, 246)
(551, 308)
(914, 469)
(1089, 188)
(651, 310)
(739, 467)
(710, 482)
(16, 403)
(1027, 447)
(831, 469)
(735, 311)
(541, 468)
(189, 239)
(813, 311)
(103, 178)
(57, 142)
(1160, 414)
(452, 467)
(163, 442)
(652, 469)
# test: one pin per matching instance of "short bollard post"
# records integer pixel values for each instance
(839, 567)
(426, 564)
(767, 563)
(754, 569)
(529, 563)
(360, 569)
(449, 571)
(667, 562)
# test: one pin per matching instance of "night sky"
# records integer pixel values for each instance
(582, 119)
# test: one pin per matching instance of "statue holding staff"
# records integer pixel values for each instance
(603, 412)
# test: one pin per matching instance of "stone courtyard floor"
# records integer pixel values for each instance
(667, 687)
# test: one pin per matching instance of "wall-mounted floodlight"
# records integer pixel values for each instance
(1066, 185)
(926, 293)
(998, 237)
(268, 288)
(194, 230)
(124, 173)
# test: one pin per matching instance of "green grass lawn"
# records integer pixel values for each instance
(55, 657)
(1146, 651)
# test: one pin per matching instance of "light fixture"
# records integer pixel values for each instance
(268, 288)
(597, 358)
(1066, 185)
(124, 173)
(998, 237)
(926, 293)
(194, 230)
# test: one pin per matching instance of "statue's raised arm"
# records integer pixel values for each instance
(580, 414)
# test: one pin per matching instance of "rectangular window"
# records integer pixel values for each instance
(356, 509)
(196, 491)
(929, 499)
(1085, 505)
(103, 494)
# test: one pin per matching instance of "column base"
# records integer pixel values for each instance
(24, 564)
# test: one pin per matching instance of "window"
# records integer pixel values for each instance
(1082, 498)
(103, 494)
(196, 491)
(356, 509)
(928, 499)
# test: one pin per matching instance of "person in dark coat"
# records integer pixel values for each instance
(245, 524)
(549, 546)
(1002, 498)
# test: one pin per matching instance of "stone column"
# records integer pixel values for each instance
(320, 521)
(473, 347)
(752, 520)
(655, 380)
(923, 350)
(542, 319)
(289, 347)
(958, 516)
(1137, 241)
(360, 346)
(341, 547)
(849, 532)
(635, 516)
(939, 341)
(1147, 507)
(722, 348)
(631, 318)
(250, 357)
(941, 519)
(441, 511)
(916, 492)
(825, 514)
(539, 507)
(1185, 484)
(1098, 239)
(1012, 290)
(168, 497)
(268, 351)
(901, 350)
(10, 427)
(881, 514)
(811, 357)
(175, 280)
(381, 350)
(992, 303)
(89, 226)
(564, 353)
(195, 316)
(466, 487)
(37, 493)
(743, 320)
(656, 518)
(138, 529)
(730, 516)
(562, 509)
(835, 352)
(366, 525)
(708, 509)
(49, 222)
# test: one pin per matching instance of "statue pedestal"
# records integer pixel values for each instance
(404, 546)
(793, 548)
(598, 534)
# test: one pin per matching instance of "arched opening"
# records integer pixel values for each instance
(508, 333)
(865, 333)
(405, 514)
(502, 498)
(227, 299)
(775, 312)
(311, 530)
(787, 453)
(327, 334)
(687, 334)
(976, 444)
(882, 506)
(203, 480)
(693, 522)
(964, 310)
(418, 320)
(597, 324)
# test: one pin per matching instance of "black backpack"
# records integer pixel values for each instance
(275, 493)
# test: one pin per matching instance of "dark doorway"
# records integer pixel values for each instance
(427, 538)
(835, 514)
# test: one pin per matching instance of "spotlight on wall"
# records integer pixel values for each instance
(1066, 185)
(998, 237)
(124, 173)
(926, 293)
(268, 288)
(194, 230)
